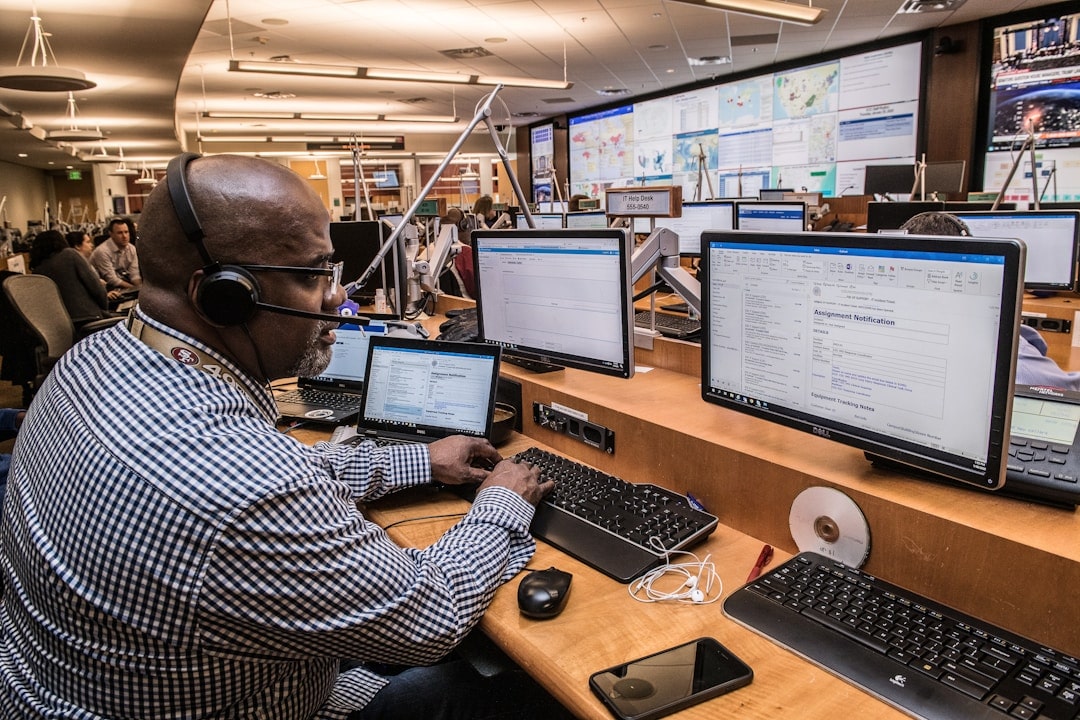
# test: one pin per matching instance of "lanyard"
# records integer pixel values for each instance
(185, 354)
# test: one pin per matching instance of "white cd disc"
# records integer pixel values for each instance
(825, 520)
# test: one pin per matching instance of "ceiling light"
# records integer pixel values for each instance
(73, 133)
(613, 91)
(123, 169)
(43, 77)
(102, 156)
(318, 174)
(364, 73)
(768, 9)
(146, 177)
(923, 6)
(332, 117)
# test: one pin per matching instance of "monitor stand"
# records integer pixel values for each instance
(536, 366)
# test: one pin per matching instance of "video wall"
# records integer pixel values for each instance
(1033, 86)
(812, 129)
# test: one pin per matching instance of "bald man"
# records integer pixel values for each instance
(166, 552)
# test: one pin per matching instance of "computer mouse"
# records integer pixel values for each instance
(542, 593)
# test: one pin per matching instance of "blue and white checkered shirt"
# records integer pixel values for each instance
(166, 553)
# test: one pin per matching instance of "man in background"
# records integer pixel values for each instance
(115, 260)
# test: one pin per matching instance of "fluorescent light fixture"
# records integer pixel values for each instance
(768, 9)
(73, 133)
(292, 68)
(366, 73)
(123, 169)
(417, 76)
(318, 174)
(524, 82)
(43, 77)
(327, 117)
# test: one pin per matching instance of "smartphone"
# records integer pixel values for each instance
(670, 680)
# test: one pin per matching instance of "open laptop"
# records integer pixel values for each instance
(423, 390)
(333, 396)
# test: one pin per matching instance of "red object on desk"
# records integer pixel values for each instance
(762, 560)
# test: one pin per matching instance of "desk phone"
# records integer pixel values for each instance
(1044, 450)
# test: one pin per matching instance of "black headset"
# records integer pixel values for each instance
(227, 295)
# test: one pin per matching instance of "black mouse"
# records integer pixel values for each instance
(542, 593)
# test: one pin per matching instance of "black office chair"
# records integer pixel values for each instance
(36, 301)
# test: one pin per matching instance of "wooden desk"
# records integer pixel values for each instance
(602, 626)
(1062, 332)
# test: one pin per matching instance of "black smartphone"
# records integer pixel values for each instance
(670, 680)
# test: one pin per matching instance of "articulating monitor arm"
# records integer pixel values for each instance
(661, 251)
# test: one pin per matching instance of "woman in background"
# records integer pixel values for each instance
(80, 288)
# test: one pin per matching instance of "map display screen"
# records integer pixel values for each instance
(813, 128)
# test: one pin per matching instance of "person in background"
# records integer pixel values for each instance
(190, 560)
(81, 241)
(463, 278)
(80, 288)
(115, 260)
(574, 203)
(1033, 365)
(484, 211)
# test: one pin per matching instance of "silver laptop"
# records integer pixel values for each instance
(335, 395)
(423, 390)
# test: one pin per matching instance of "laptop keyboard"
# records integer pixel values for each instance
(674, 326)
(608, 522)
(322, 398)
(928, 659)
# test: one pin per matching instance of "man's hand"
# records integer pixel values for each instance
(458, 460)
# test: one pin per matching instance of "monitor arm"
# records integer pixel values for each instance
(661, 251)
(430, 262)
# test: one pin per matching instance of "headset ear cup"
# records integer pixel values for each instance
(228, 296)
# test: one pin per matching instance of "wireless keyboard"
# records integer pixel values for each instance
(674, 326)
(607, 522)
(925, 658)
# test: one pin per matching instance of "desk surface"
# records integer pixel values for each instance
(603, 626)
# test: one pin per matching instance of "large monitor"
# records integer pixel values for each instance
(773, 216)
(1051, 236)
(557, 296)
(697, 217)
(587, 219)
(901, 345)
(944, 177)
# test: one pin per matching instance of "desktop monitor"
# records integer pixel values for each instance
(697, 217)
(773, 216)
(901, 345)
(889, 179)
(1051, 236)
(548, 221)
(559, 296)
(889, 216)
(773, 194)
(944, 177)
(588, 219)
(356, 243)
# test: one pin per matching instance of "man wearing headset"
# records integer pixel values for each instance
(166, 552)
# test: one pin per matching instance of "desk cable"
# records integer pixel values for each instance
(699, 577)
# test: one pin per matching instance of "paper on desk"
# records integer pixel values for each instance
(342, 433)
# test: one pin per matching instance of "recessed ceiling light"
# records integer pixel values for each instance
(711, 60)
(274, 21)
(495, 40)
(23, 155)
(613, 91)
(658, 47)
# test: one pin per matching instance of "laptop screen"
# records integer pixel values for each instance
(429, 388)
(348, 364)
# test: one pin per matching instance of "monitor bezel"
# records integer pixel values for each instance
(542, 355)
(919, 458)
(1039, 286)
(759, 203)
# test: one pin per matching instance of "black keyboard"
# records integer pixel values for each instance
(607, 522)
(322, 398)
(673, 326)
(925, 658)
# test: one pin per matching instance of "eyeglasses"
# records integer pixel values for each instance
(333, 272)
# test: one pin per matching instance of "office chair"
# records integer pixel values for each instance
(36, 301)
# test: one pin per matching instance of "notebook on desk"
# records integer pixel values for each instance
(423, 390)
(334, 396)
